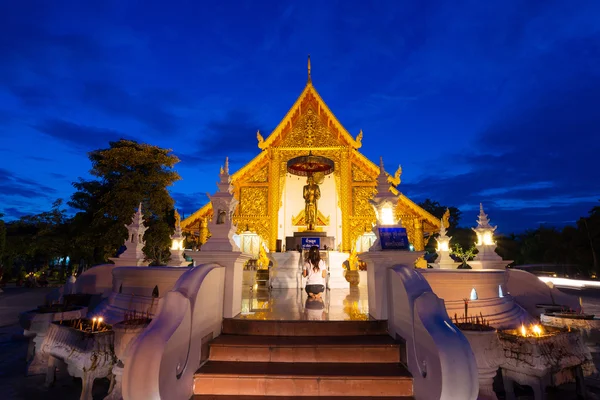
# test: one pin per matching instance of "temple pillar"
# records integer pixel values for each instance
(418, 243)
(346, 200)
(274, 196)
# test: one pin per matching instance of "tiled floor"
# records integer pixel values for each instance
(293, 304)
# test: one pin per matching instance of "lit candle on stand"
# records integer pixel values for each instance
(100, 319)
(93, 323)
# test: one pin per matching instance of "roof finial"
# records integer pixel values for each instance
(309, 78)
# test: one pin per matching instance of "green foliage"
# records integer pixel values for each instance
(127, 174)
(438, 210)
(37, 240)
(464, 254)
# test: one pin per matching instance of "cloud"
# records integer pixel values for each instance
(13, 213)
(538, 155)
(33, 96)
(13, 185)
(118, 102)
(233, 136)
(188, 203)
(79, 136)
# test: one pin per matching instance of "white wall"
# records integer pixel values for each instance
(293, 204)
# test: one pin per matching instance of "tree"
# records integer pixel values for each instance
(127, 174)
(465, 254)
(438, 210)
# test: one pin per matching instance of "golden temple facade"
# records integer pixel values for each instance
(267, 193)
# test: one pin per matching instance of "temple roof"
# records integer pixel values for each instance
(309, 93)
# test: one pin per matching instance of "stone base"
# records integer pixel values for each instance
(293, 242)
(488, 264)
(286, 270)
(129, 261)
(452, 265)
(177, 259)
(336, 270)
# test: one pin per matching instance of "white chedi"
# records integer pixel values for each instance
(384, 204)
(223, 205)
(177, 259)
(134, 254)
(444, 261)
(486, 257)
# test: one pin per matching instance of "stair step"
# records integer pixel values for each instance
(250, 397)
(303, 379)
(308, 349)
(303, 328)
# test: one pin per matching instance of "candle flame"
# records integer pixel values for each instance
(100, 319)
(94, 319)
(533, 330)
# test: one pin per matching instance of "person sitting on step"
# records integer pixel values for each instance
(315, 272)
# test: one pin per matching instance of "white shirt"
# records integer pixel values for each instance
(315, 277)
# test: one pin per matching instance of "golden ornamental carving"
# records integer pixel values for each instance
(359, 139)
(395, 180)
(309, 131)
(298, 220)
(359, 226)
(260, 176)
(253, 200)
(258, 224)
(407, 223)
(260, 139)
(359, 175)
(360, 198)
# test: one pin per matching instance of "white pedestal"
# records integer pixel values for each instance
(124, 261)
(488, 264)
(177, 259)
(336, 270)
(233, 261)
(378, 262)
(444, 261)
(487, 258)
(286, 270)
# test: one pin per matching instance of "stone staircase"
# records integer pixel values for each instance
(254, 359)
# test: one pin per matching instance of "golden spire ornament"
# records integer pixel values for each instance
(309, 78)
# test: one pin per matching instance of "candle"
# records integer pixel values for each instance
(93, 323)
(523, 330)
(100, 319)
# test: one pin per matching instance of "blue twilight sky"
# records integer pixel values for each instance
(480, 101)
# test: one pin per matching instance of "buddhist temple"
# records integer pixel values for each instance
(271, 207)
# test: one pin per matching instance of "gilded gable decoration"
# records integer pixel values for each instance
(309, 125)
(253, 200)
(359, 175)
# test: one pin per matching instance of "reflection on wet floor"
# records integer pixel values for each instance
(294, 304)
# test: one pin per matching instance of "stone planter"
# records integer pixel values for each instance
(352, 276)
(87, 355)
(126, 332)
(588, 327)
(35, 324)
(555, 358)
(488, 356)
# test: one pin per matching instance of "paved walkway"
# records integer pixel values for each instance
(293, 304)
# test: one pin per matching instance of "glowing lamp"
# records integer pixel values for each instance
(443, 244)
(387, 215)
(473, 294)
(177, 244)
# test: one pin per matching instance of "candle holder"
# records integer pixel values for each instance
(87, 351)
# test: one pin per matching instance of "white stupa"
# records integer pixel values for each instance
(133, 256)
(486, 258)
